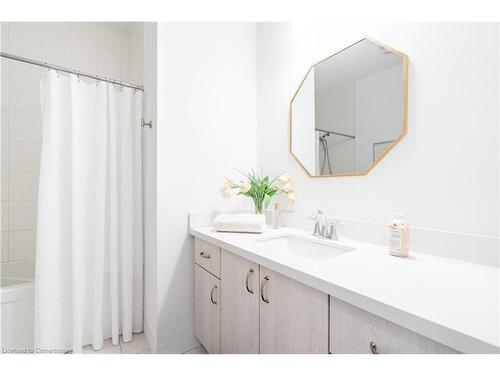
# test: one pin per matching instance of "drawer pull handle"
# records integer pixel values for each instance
(212, 295)
(373, 347)
(205, 255)
(250, 271)
(262, 284)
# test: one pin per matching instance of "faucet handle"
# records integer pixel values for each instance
(331, 233)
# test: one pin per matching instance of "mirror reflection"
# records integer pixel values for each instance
(349, 110)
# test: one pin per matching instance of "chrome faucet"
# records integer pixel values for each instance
(323, 228)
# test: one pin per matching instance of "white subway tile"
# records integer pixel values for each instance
(84, 46)
(124, 69)
(25, 39)
(4, 185)
(136, 74)
(4, 158)
(24, 126)
(21, 244)
(4, 38)
(84, 59)
(108, 64)
(24, 156)
(4, 256)
(21, 269)
(24, 97)
(26, 73)
(22, 215)
(4, 69)
(57, 43)
(5, 215)
(4, 120)
(84, 33)
(136, 43)
(23, 185)
(4, 96)
(124, 43)
(108, 38)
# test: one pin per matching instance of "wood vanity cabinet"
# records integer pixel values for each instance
(293, 316)
(207, 304)
(240, 307)
(355, 331)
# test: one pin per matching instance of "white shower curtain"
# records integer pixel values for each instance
(89, 259)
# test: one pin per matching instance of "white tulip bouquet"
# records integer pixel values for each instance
(261, 189)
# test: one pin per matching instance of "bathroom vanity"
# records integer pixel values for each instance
(285, 291)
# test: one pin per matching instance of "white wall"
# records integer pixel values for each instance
(379, 105)
(444, 174)
(304, 136)
(206, 127)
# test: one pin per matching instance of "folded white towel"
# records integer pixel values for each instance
(247, 223)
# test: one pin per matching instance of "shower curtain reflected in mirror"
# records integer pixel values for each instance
(89, 258)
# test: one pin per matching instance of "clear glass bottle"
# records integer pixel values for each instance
(276, 216)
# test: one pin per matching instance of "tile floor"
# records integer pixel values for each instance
(138, 345)
(198, 350)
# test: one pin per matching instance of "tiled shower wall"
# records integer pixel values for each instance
(112, 50)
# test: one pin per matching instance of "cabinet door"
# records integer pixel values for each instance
(240, 305)
(207, 309)
(293, 316)
(355, 331)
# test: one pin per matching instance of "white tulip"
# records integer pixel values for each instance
(291, 197)
(283, 178)
(288, 187)
(245, 187)
(227, 188)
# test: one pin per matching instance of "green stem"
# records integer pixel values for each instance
(258, 205)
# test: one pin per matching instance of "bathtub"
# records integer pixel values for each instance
(17, 314)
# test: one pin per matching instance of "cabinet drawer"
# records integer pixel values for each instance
(356, 331)
(207, 256)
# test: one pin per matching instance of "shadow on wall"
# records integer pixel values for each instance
(181, 294)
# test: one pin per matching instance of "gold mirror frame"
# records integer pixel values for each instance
(405, 111)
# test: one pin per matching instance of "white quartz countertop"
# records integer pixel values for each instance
(453, 302)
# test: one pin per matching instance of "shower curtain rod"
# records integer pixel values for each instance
(70, 71)
(336, 133)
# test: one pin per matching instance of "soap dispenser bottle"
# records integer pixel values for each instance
(399, 235)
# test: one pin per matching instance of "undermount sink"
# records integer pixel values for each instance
(311, 248)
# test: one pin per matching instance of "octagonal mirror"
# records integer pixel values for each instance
(350, 110)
